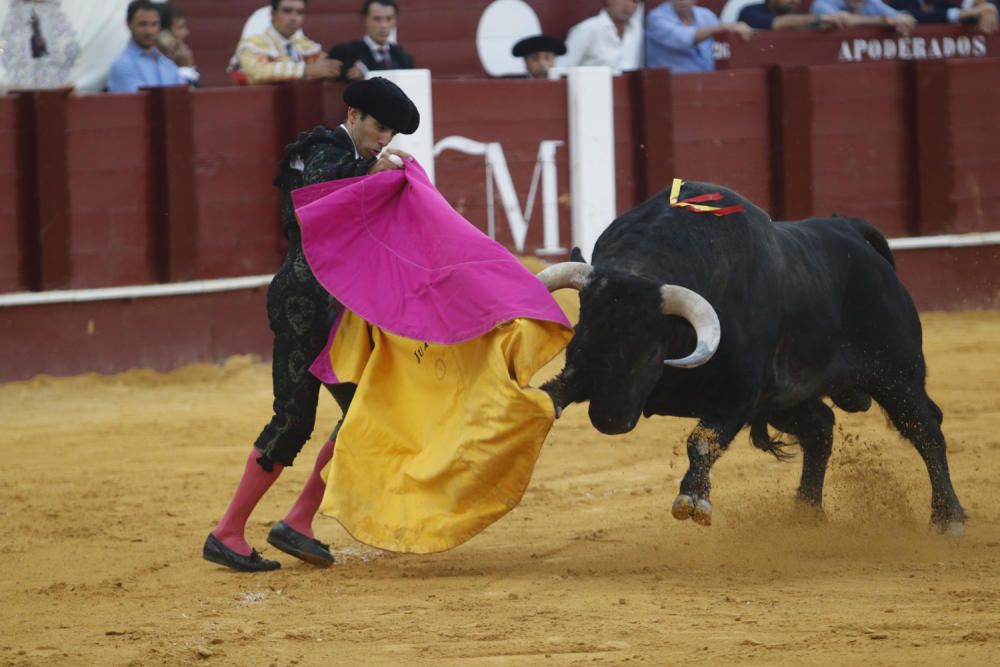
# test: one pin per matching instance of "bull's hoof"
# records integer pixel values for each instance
(686, 507)
(702, 514)
(807, 511)
(683, 507)
(949, 528)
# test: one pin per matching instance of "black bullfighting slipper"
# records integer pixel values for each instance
(303, 547)
(217, 552)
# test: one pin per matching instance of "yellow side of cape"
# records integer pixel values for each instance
(440, 440)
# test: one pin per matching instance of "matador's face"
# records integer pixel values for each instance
(369, 135)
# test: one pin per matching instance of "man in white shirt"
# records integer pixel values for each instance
(613, 38)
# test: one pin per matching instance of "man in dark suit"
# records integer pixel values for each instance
(374, 51)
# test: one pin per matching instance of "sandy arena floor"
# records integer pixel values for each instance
(111, 483)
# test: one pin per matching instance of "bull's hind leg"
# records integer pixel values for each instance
(918, 419)
(812, 425)
(704, 446)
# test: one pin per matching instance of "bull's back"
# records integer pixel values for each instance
(845, 308)
(701, 251)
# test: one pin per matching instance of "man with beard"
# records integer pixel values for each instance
(142, 65)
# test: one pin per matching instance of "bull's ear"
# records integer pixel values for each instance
(576, 255)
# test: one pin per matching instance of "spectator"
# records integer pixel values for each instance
(172, 41)
(982, 13)
(539, 53)
(142, 65)
(375, 51)
(282, 52)
(867, 13)
(788, 15)
(613, 38)
(679, 36)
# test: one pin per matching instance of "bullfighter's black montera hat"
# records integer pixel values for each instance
(386, 102)
(539, 43)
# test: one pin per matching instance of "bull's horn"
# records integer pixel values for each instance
(677, 300)
(566, 274)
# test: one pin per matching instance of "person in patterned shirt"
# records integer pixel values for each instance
(282, 52)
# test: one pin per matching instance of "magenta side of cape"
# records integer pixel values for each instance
(392, 250)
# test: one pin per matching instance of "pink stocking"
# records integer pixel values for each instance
(301, 515)
(252, 487)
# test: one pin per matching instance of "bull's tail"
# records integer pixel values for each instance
(763, 441)
(875, 239)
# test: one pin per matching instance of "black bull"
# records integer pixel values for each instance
(808, 310)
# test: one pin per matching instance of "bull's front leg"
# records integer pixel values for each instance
(704, 447)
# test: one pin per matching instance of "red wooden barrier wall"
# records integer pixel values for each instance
(518, 114)
(235, 160)
(951, 278)
(860, 150)
(630, 141)
(175, 185)
(111, 336)
(959, 148)
(109, 167)
(722, 131)
(13, 256)
(974, 153)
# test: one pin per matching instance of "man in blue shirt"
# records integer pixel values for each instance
(141, 65)
(679, 36)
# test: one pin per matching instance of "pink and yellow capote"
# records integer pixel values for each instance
(442, 331)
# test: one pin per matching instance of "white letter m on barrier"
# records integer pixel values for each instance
(498, 173)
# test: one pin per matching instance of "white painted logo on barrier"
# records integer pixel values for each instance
(912, 48)
(498, 173)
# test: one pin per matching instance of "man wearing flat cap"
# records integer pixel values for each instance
(301, 313)
(539, 53)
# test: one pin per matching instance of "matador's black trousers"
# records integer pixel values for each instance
(301, 313)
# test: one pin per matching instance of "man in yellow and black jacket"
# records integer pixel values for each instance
(282, 52)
